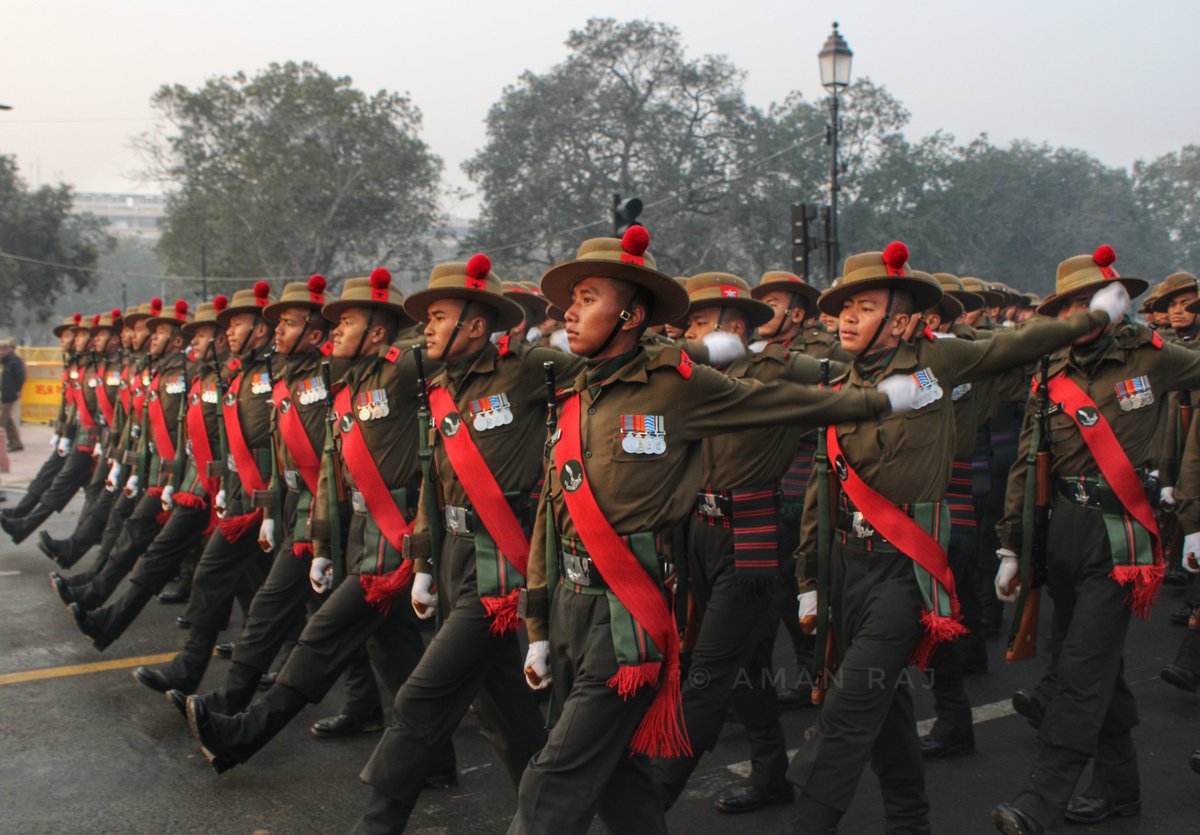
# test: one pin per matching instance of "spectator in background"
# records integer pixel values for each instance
(12, 379)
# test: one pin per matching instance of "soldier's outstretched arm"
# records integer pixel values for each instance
(969, 361)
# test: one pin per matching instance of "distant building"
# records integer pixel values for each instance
(130, 215)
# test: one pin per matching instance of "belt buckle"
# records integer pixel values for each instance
(291, 477)
(456, 519)
(577, 569)
(135, 432)
(862, 528)
(188, 450)
(709, 504)
(358, 502)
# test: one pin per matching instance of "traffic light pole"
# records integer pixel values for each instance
(831, 237)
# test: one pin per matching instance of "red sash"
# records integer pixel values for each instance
(898, 528)
(163, 444)
(368, 480)
(661, 732)
(198, 437)
(81, 407)
(243, 458)
(1122, 479)
(124, 392)
(106, 405)
(295, 437)
(488, 501)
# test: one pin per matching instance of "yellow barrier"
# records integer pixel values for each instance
(42, 393)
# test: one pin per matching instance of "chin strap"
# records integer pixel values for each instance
(622, 318)
(462, 319)
(887, 315)
(362, 340)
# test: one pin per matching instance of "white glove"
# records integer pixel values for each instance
(54, 441)
(320, 574)
(219, 504)
(424, 595)
(723, 348)
(1191, 553)
(266, 535)
(1010, 568)
(808, 611)
(533, 334)
(1112, 299)
(901, 391)
(537, 665)
(167, 501)
(64, 447)
(1166, 499)
(113, 478)
(559, 340)
(131, 487)
(98, 451)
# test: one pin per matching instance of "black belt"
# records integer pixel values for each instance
(1090, 493)
(464, 520)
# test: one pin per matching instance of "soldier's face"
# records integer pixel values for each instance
(161, 339)
(200, 340)
(290, 327)
(66, 340)
(443, 316)
(786, 306)
(830, 323)
(82, 340)
(861, 317)
(102, 342)
(972, 316)
(595, 305)
(673, 332)
(126, 338)
(1177, 310)
(240, 331)
(709, 319)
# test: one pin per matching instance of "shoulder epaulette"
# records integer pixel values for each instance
(392, 354)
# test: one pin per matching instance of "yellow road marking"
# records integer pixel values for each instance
(83, 669)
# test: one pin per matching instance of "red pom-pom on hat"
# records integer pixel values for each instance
(895, 255)
(96, 320)
(479, 266)
(77, 318)
(156, 306)
(317, 284)
(262, 289)
(636, 240)
(181, 308)
(220, 303)
(380, 278)
(1104, 255)
(116, 313)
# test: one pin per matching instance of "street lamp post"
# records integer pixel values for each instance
(834, 58)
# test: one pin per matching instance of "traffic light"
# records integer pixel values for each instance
(625, 214)
(803, 239)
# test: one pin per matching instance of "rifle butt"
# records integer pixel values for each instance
(1024, 645)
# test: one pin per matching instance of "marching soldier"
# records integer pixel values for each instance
(533, 305)
(487, 406)
(377, 471)
(891, 592)
(1103, 395)
(624, 470)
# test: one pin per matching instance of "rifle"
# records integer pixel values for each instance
(425, 456)
(827, 493)
(1022, 640)
(333, 475)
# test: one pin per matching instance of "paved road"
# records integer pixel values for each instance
(95, 752)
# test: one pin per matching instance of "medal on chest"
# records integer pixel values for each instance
(260, 382)
(490, 412)
(643, 434)
(175, 385)
(209, 394)
(960, 391)
(311, 391)
(372, 405)
(93, 382)
(928, 388)
(113, 379)
(1135, 393)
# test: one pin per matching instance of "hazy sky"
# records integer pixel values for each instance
(1114, 79)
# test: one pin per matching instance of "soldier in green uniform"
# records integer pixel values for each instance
(529, 296)
(624, 469)
(78, 439)
(891, 592)
(488, 410)
(1104, 395)
(376, 473)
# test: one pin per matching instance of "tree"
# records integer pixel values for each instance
(291, 172)
(627, 112)
(46, 250)
(1168, 191)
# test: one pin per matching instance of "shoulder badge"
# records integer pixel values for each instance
(393, 354)
(685, 366)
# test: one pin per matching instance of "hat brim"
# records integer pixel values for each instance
(1161, 305)
(534, 307)
(1050, 306)
(224, 317)
(189, 328)
(949, 308)
(809, 293)
(670, 299)
(969, 300)
(59, 330)
(154, 321)
(509, 314)
(756, 312)
(925, 294)
(271, 312)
